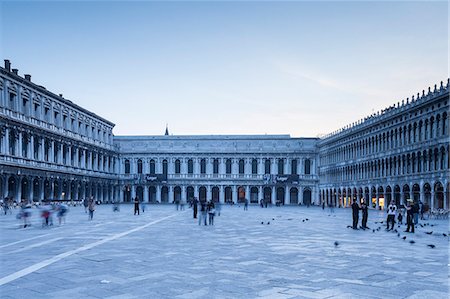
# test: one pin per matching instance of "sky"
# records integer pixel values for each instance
(211, 67)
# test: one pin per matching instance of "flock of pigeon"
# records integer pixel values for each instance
(336, 243)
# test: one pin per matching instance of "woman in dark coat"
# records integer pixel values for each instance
(365, 214)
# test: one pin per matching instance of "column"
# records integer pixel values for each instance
(69, 156)
(31, 147)
(6, 151)
(41, 148)
(52, 152)
(221, 194)
(60, 153)
(133, 191)
(69, 191)
(196, 191)
(378, 200)
(31, 190)
(183, 194)
(19, 145)
(19, 189)
(247, 193)
(287, 200)
(158, 193)
(432, 199)
(260, 193)
(234, 196)
(208, 192)
(41, 191)
(260, 166)
(121, 194)
(170, 194)
(274, 195)
(146, 193)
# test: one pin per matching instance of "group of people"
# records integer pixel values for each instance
(355, 213)
(208, 210)
(412, 215)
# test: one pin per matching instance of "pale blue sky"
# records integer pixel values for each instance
(299, 68)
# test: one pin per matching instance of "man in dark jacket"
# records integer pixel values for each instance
(409, 217)
(136, 205)
(194, 206)
(355, 210)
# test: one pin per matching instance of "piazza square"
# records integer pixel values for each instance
(260, 253)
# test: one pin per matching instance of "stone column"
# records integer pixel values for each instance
(158, 193)
(52, 152)
(183, 194)
(41, 191)
(432, 199)
(234, 195)
(146, 193)
(208, 192)
(221, 194)
(69, 191)
(196, 191)
(6, 151)
(260, 193)
(170, 200)
(247, 193)
(52, 189)
(274, 195)
(30, 190)
(19, 189)
(69, 156)
(133, 191)
(121, 194)
(287, 200)
(60, 153)
(378, 200)
(31, 148)
(19, 145)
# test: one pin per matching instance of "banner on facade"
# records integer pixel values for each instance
(156, 178)
(281, 179)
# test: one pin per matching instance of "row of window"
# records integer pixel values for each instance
(434, 127)
(228, 166)
(62, 153)
(428, 160)
(57, 118)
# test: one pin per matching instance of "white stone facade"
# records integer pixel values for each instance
(399, 153)
(50, 148)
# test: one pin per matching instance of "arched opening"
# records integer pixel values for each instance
(388, 196)
(406, 194)
(381, 197)
(140, 193)
(165, 167)
(307, 166)
(254, 195)
(228, 166)
(152, 166)
(228, 195)
(36, 190)
(280, 195)
(57, 190)
(416, 192)
(190, 193)
(152, 194)
(164, 194)
(177, 166)
(293, 196)
(177, 194)
(202, 193)
(127, 166)
(241, 194)
(139, 166)
(427, 194)
(268, 194)
(215, 194)
(307, 196)
(25, 189)
(126, 193)
(397, 195)
(438, 196)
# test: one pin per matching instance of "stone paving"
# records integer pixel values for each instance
(164, 253)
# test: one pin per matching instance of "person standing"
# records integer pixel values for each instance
(246, 205)
(136, 205)
(355, 214)
(195, 206)
(203, 212)
(409, 217)
(365, 214)
(416, 211)
(211, 212)
(391, 211)
(91, 208)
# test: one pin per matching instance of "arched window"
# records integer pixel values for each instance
(307, 166)
(152, 167)
(190, 166)
(177, 166)
(241, 166)
(203, 166)
(280, 166)
(228, 166)
(139, 166)
(216, 166)
(165, 166)
(254, 166)
(127, 166)
(267, 166)
(294, 166)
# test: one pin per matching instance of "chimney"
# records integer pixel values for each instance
(15, 71)
(7, 65)
(28, 77)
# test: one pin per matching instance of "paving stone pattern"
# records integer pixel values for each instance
(238, 257)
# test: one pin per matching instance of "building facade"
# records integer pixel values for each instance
(228, 168)
(50, 148)
(397, 154)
